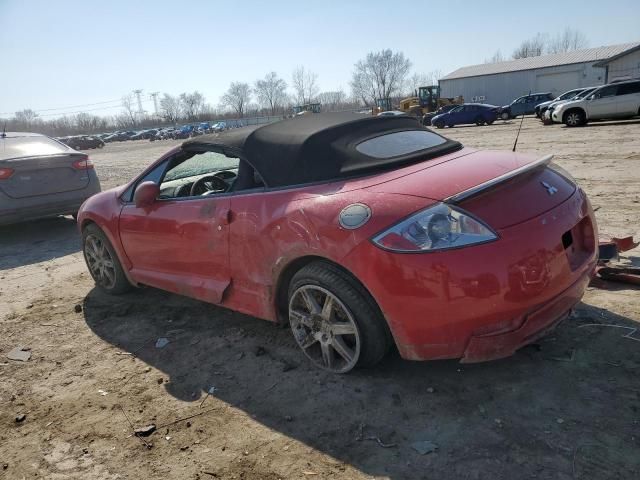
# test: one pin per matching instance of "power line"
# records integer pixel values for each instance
(85, 110)
(65, 108)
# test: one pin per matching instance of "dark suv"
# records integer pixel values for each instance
(525, 105)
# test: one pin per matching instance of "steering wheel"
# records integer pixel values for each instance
(208, 183)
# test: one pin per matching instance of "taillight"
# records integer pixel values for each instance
(5, 173)
(84, 164)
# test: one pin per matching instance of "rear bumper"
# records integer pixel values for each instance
(16, 210)
(535, 324)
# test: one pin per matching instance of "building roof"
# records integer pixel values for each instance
(615, 57)
(317, 147)
(543, 61)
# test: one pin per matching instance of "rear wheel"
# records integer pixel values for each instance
(335, 322)
(103, 262)
(479, 121)
(574, 118)
(490, 122)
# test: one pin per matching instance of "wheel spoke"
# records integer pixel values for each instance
(327, 308)
(108, 274)
(107, 262)
(308, 340)
(343, 329)
(300, 317)
(327, 355)
(311, 302)
(343, 350)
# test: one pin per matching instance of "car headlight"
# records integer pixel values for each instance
(439, 227)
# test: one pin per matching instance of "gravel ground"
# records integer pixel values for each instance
(566, 408)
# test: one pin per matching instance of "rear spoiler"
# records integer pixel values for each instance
(458, 197)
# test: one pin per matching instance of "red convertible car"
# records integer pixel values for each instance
(360, 232)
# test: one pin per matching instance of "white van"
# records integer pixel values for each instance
(615, 100)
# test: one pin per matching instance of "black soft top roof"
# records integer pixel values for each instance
(316, 147)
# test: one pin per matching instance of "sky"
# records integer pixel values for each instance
(56, 55)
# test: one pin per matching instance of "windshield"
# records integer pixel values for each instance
(200, 164)
(569, 94)
(584, 93)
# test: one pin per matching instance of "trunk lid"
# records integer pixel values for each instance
(44, 175)
(527, 194)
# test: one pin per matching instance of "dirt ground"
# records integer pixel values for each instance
(566, 408)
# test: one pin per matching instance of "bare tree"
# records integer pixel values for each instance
(567, 41)
(237, 97)
(380, 75)
(26, 117)
(304, 85)
(129, 114)
(170, 107)
(496, 58)
(332, 100)
(192, 104)
(534, 47)
(271, 92)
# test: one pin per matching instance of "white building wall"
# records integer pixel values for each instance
(502, 88)
(626, 67)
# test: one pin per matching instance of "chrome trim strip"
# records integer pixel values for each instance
(458, 197)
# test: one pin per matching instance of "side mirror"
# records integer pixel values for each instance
(145, 194)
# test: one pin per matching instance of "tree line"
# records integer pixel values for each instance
(543, 43)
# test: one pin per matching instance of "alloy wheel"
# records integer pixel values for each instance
(324, 328)
(100, 262)
(573, 119)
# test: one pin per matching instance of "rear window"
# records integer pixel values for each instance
(399, 143)
(16, 147)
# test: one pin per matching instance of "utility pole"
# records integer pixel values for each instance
(154, 95)
(137, 94)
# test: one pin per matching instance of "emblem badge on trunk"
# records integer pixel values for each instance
(551, 190)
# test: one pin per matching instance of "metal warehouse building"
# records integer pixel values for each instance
(500, 83)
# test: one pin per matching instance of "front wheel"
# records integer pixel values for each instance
(505, 116)
(439, 124)
(574, 118)
(479, 121)
(102, 261)
(334, 321)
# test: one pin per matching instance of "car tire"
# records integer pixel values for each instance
(102, 261)
(101, 145)
(364, 339)
(505, 116)
(573, 118)
(479, 121)
(439, 124)
(490, 122)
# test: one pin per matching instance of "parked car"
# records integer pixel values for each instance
(546, 115)
(524, 105)
(427, 117)
(358, 231)
(478, 113)
(116, 137)
(219, 127)
(542, 107)
(615, 100)
(83, 142)
(41, 177)
(183, 132)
